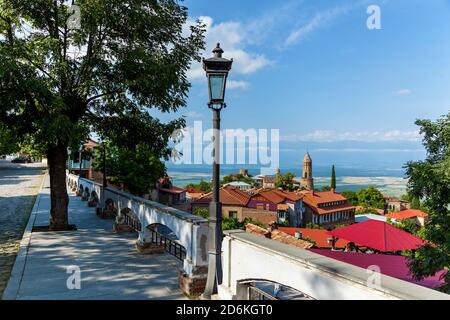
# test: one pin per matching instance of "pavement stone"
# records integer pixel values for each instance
(109, 264)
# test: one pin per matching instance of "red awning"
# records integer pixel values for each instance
(378, 235)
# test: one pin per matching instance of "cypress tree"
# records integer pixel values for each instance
(333, 178)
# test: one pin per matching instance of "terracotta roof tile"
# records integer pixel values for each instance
(406, 214)
(277, 196)
(229, 195)
(316, 199)
(278, 235)
(318, 235)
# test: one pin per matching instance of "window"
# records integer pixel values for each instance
(232, 214)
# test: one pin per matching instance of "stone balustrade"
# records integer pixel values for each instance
(132, 213)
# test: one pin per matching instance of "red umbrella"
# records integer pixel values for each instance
(378, 235)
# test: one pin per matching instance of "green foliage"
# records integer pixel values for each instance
(408, 226)
(415, 202)
(239, 177)
(333, 178)
(370, 197)
(367, 210)
(233, 223)
(202, 185)
(326, 188)
(308, 239)
(351, 197)
(137, 169)
(8, 141)
(286, 181)
(31, 149)
(202, 212)
(58, 84)
(429, 180)
(311, 225)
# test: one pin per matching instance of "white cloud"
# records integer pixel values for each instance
(319, 20)
(232, 84)
(231, 36)
(402, 92)
(329, 136)
(193, 115)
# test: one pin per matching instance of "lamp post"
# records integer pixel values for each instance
(81, 150)
(217, 69)
(105, 183)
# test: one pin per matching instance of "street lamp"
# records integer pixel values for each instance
(217, 69)
(81, 150)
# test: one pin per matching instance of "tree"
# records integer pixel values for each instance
(415, 202)
(137, 169)
(429, 180)
(333, 178)
(59, 80)
(239, 177)
(8, 143)
(202, 212)
(286, 181)
(350, 196)
(30, 149)
(370, 197)
(326, 188)
(202, 185)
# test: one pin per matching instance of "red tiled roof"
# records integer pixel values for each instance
(289, 195)
(193, 190)
(378, 235)
(229, 195)
(277, 196)
(318, 235)
(318, 197)
(282, 206)
(278, 235)
(406, 214)
(390, 265)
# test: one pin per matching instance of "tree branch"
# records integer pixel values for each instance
(103, 94)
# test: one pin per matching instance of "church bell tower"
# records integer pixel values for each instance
(307, 180)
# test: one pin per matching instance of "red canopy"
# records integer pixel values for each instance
(378, 235)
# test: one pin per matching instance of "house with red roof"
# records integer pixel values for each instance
(169, 194)
(194, 194)
(417, 216)
(233, 202)
(287, 205)
(327, 209)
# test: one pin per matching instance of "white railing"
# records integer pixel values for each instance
(191, 230)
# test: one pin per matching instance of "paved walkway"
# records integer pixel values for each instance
(19, 185)
(110, 267)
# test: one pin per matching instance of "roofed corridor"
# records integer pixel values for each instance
(109, 264)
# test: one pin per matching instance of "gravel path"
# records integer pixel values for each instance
(19, 184)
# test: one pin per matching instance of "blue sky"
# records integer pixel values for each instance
(315, 71)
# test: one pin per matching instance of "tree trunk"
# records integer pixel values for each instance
(57, 156)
